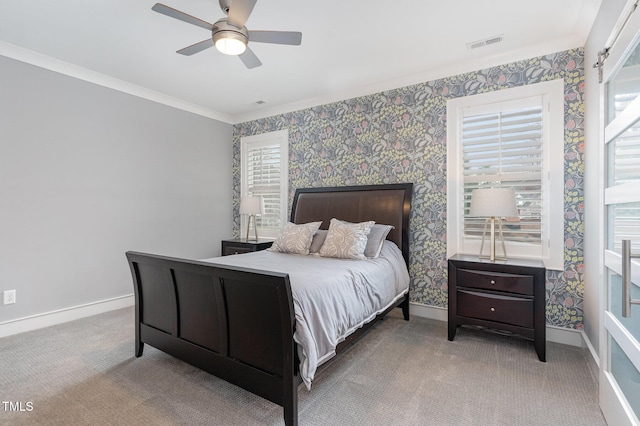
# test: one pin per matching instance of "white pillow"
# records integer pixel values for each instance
(375, 240)
(346, 240)
(295, 239)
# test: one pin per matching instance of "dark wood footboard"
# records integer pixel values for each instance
(235, 323)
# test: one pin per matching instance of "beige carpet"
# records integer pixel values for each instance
(400, 373)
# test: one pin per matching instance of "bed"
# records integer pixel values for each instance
(239, 323)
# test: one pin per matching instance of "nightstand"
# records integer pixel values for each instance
(241, 245)
(503, 295)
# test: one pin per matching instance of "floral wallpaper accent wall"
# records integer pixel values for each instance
(400, 136)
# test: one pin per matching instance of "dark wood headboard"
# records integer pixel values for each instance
(385, 204)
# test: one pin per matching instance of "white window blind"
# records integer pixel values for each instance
(626, 167)
(626, 170)
(624, 149)
(264, 173)
(263, 179)
(504, 149)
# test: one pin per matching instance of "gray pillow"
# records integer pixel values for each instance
(318, 240)
(375, 240)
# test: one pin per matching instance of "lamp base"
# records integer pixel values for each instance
(492, 243)
(255, 227)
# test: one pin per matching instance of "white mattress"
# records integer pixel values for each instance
(332, 297)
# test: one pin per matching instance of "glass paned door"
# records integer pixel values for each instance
(620, 369)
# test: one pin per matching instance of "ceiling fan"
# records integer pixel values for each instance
(229, 34)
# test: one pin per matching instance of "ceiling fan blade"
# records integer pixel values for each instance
(239, 12)
(195, 48)
(250, 59)
(174, 13)
(277, 37)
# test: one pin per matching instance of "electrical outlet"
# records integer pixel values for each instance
(9, 297)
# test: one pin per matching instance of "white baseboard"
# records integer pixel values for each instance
(592, 350)
(47, 319)
(426, 311)
(565, 336)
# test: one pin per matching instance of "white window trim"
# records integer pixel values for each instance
(553, 155)
(281, 137)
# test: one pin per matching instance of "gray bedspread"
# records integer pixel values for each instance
(332, 297)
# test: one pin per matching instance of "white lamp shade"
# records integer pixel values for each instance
(493, 202)
(251, 205)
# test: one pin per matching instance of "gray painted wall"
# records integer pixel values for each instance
(87, 173)
(594, 218)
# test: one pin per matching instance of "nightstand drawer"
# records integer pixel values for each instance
(239, 246)
(512, 283)
(495, 307)
(236, 249)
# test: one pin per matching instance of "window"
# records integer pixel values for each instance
(510, 138)
(264, 172)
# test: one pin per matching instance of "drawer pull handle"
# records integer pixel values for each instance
(493, 309)
(493, 282)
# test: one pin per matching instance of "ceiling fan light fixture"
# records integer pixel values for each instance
(229, 35)
(230, 42)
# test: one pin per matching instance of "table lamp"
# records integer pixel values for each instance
(251, 206)
(493, 203)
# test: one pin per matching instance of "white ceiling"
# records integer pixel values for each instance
(349, 47)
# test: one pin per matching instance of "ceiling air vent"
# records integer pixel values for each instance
(485, 42)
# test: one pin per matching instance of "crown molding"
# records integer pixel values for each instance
(474, 63)
(65, 68)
